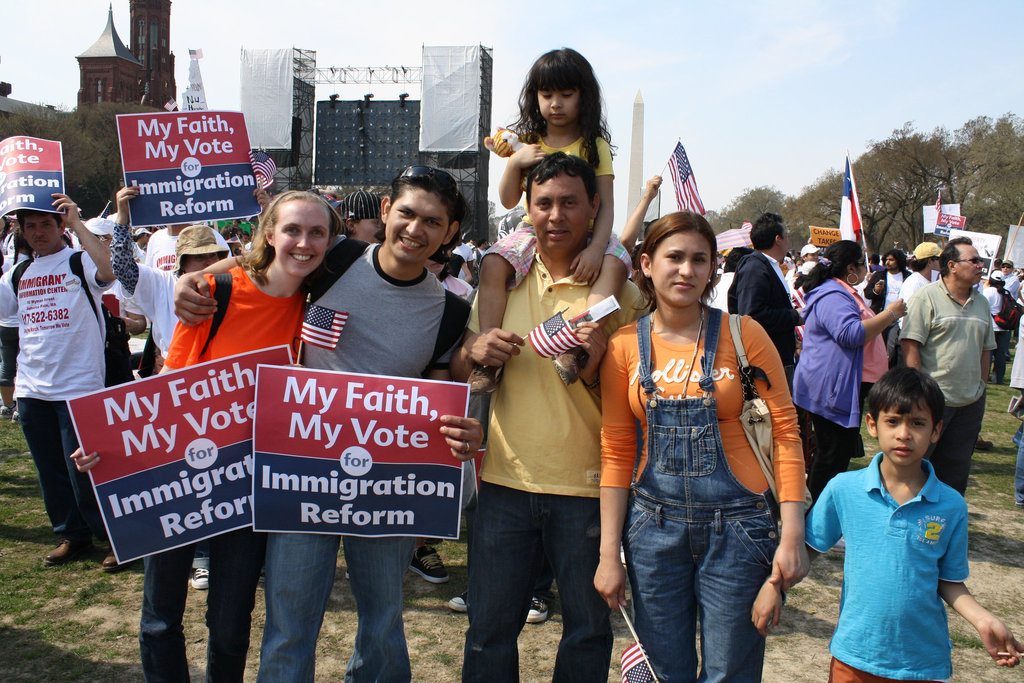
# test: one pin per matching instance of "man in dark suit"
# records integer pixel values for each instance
(759, 288)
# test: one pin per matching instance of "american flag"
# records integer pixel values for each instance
(171, 105)
(635, 668)
(687, 197)
(322, 326)
(263, 166)
(849, 212)
(195, 54)
(553, 336)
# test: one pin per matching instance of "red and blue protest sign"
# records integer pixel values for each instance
(362, 455)
(175, 453)
(191, 167)
(31, 170)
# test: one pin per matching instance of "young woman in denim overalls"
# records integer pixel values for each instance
(700, 530)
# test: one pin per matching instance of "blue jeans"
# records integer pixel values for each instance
(513, 532)
(299, 577)
(698, 544)
(1000, 354)
(1018, 475)
(67, 493)
(235, 562)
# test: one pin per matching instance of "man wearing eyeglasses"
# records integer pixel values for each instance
(1012, 283)
(948, 333)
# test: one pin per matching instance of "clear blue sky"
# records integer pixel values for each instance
(759, 93)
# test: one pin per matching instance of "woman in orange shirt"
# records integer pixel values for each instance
(700, 530)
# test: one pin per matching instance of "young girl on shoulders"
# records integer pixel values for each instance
(559, 111)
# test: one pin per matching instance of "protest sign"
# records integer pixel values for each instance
(1014, 250)
(31, 170)
(986, 244)
(363, 455)
(191, 167)
(822, 237)
(175, 453)
(934, 225)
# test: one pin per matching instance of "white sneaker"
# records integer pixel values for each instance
(538, 611)
(200, 579)
(460, 603)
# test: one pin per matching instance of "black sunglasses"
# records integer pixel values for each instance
(976, 260)
(443, 179)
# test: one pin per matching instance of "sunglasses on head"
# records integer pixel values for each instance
(443, 179)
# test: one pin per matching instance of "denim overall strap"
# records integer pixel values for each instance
(707, 361)
(643, 343)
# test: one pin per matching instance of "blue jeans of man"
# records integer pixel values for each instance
(236, 558)
(299, 576)
(1000, 354)
(513, 532)
(67, 493)
(1018, 475)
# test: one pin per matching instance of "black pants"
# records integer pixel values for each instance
(836, 447)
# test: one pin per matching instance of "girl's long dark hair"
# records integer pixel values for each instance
(563, 69)
(840, 255)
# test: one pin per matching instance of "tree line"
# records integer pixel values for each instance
(979, 166)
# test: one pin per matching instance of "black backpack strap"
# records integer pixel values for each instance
(19, 270)
(338, 260)
(453, 325)
(222, 295)
(75, 263)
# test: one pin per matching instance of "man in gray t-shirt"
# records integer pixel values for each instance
(396, 325)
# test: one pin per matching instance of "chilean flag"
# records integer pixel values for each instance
(849, 215)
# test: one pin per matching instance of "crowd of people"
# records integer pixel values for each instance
(627, 471)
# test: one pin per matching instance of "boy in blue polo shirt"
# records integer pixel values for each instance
(906, 549)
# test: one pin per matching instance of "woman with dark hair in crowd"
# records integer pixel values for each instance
(842, 357)
(697, 522)
(882, 289)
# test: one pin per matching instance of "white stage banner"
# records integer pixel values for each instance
(450, 108)
(266, 79)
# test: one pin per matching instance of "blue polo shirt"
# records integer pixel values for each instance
(892, 621)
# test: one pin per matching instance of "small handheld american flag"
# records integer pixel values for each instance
(635, 666)
(322, 326)
(263, 166)
(687, 197)
(553, 336)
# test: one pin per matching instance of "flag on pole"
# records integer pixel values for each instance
(171, 105)
(195, 54)
(553, 337)
(322, 326)
(687, 197)
(263, 166)
(849, 214)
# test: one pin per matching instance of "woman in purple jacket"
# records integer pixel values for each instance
(842, 357)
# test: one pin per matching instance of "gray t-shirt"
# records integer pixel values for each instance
(392, 325)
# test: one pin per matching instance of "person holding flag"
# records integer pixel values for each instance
(697, 521)
(538, 494)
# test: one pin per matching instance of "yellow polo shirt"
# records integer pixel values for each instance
(545, 437)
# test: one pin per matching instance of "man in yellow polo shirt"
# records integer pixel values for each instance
(541, 475)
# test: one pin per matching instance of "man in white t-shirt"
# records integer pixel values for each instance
(152, 289)
(1010, 280)
(160, 251)
(60, 358)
